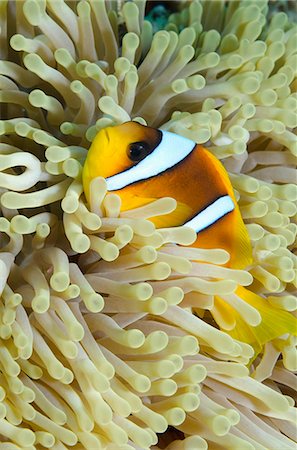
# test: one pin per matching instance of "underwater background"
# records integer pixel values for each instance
(112, 336)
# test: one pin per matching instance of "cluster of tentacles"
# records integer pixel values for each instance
(110, 331)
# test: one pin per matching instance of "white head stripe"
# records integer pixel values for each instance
(211, 214)
(171, 150)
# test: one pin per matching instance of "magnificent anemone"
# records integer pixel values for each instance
(111, 332)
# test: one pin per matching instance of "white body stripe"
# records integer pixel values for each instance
(211, 214)
(171, 150)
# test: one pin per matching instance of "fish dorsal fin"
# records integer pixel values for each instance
(221, 171)
(241, 252)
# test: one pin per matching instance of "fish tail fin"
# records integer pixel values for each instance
(275, 322)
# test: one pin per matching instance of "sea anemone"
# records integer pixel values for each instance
(115, 335)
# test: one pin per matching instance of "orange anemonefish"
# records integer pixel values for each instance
(142, 164)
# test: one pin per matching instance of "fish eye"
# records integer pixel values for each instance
(138, 151)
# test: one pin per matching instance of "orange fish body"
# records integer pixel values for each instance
(142, 164)
(196, 182)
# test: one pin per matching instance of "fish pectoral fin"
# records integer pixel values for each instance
(176, 218)
(131, 202)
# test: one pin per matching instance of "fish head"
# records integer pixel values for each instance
(116, 149)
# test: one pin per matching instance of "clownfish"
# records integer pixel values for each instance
(142, 164)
